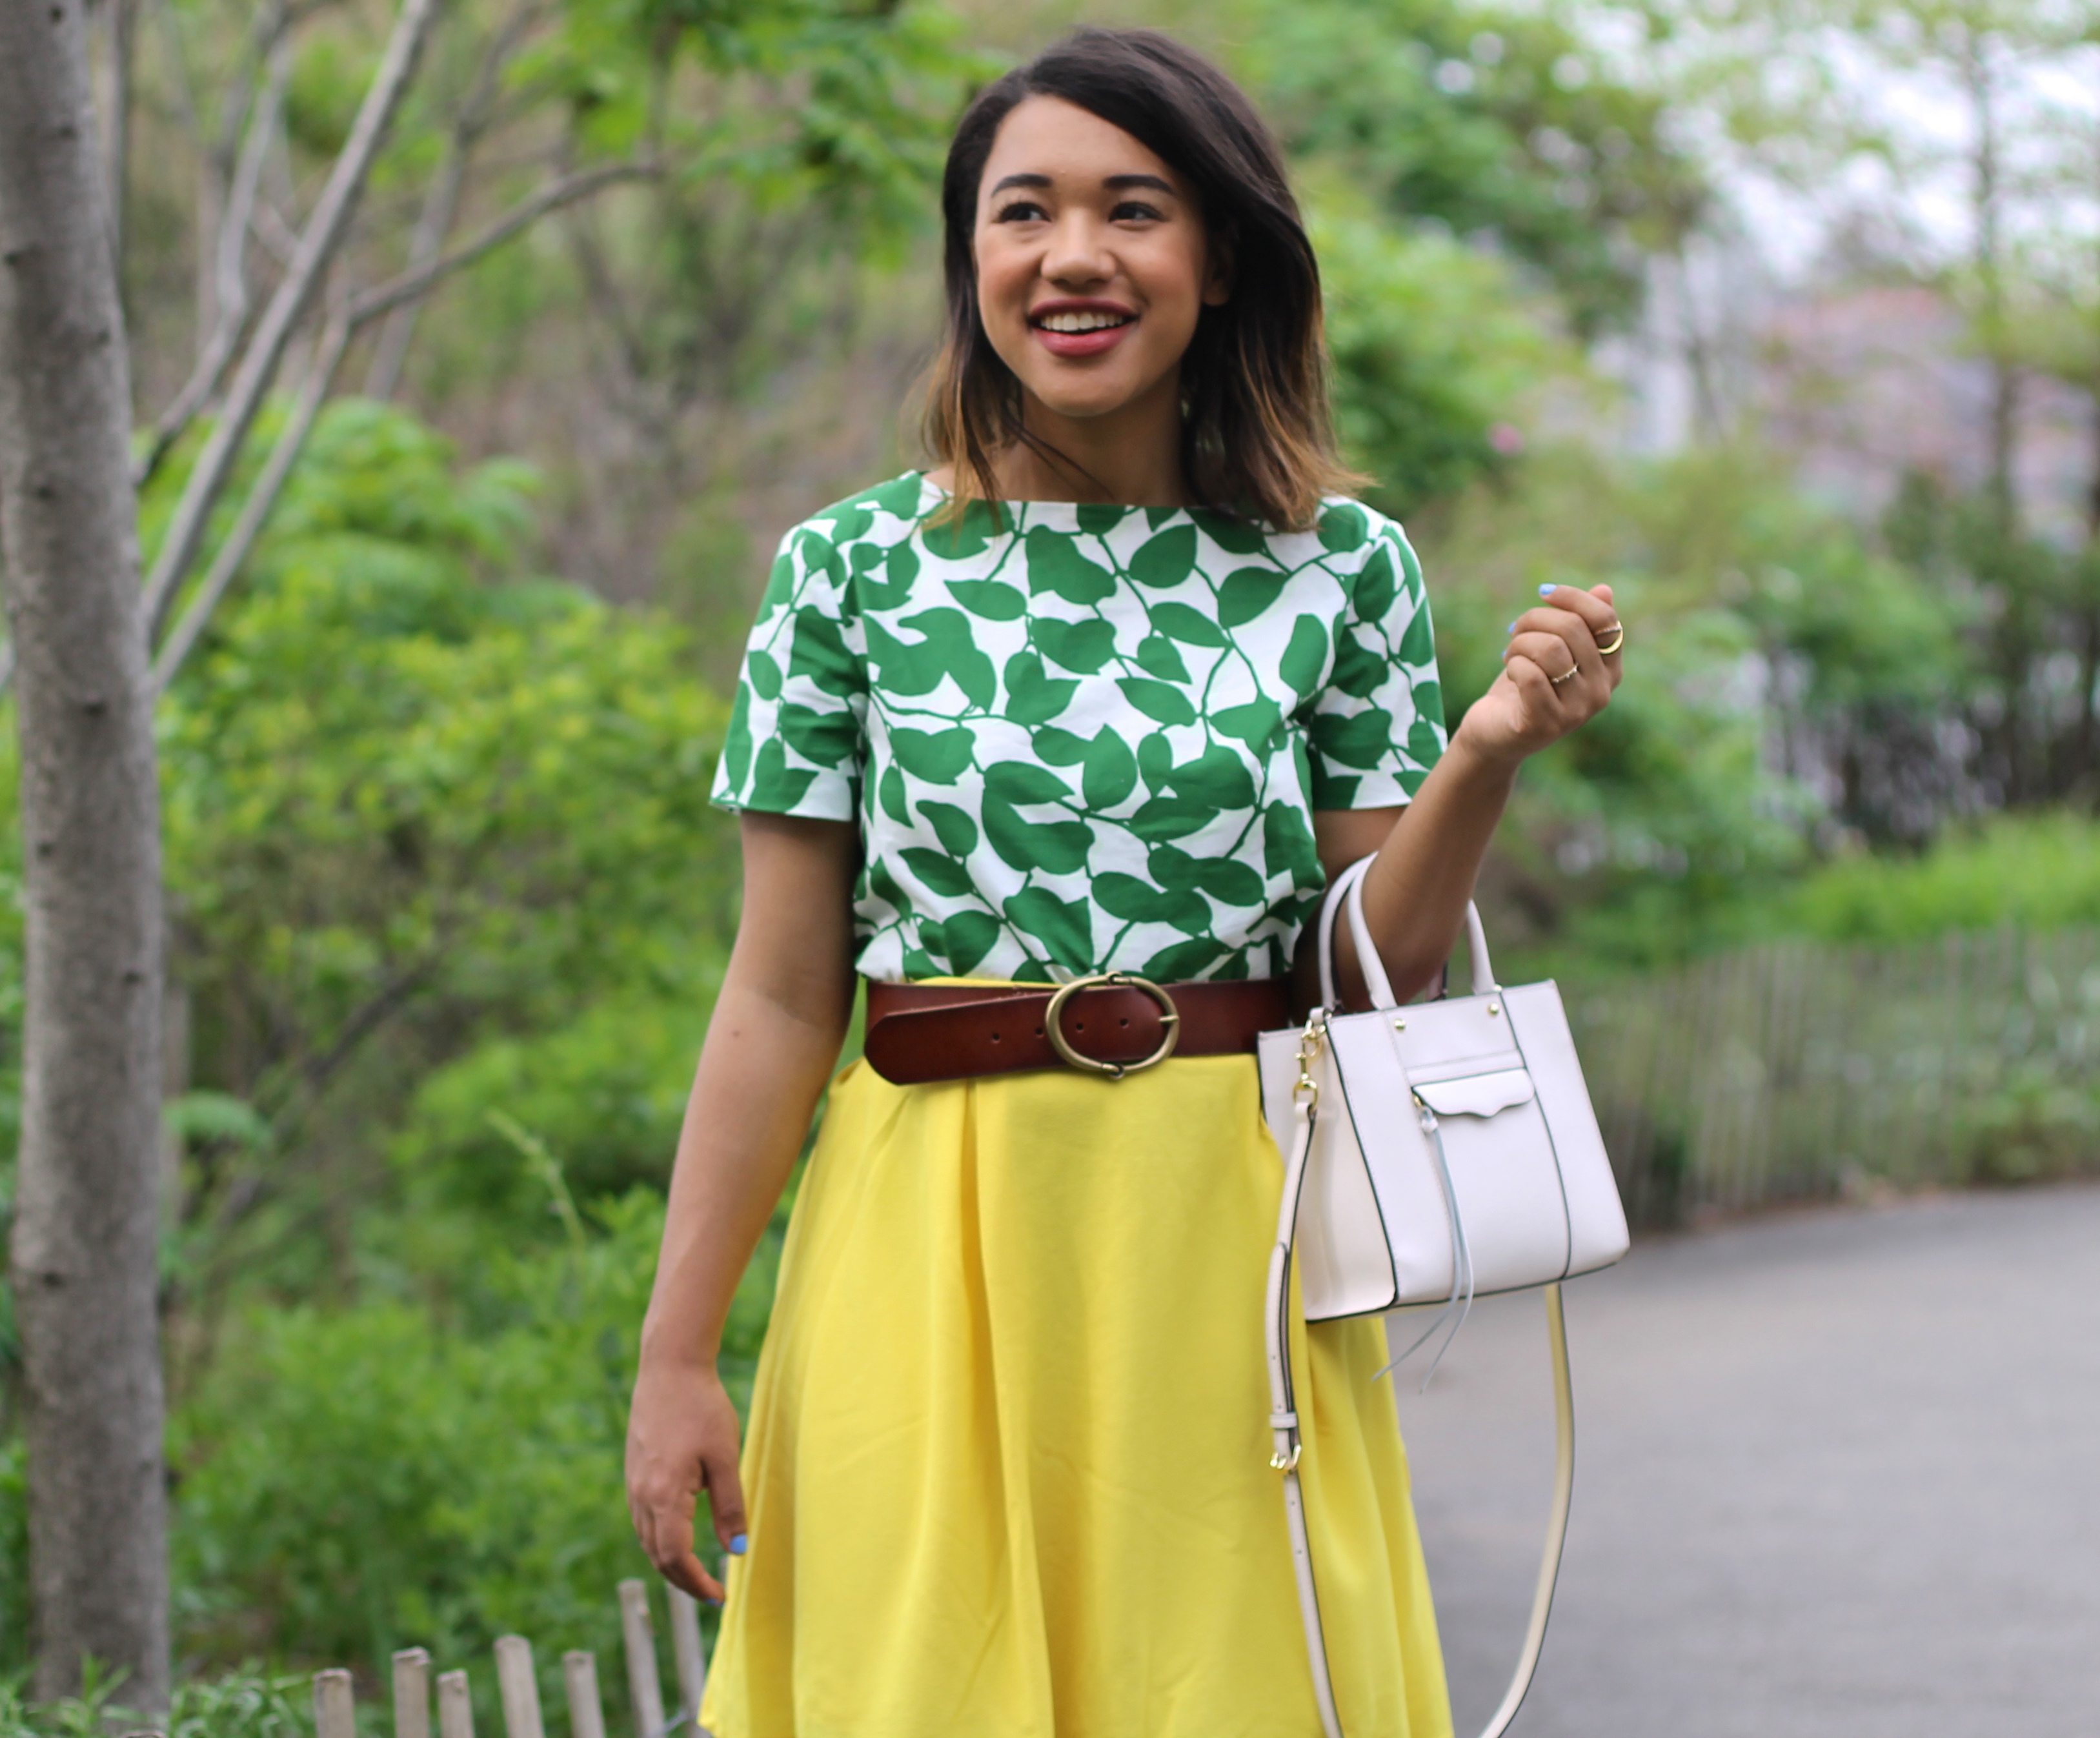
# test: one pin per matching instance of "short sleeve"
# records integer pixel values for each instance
(794, 744)
(1377, 727)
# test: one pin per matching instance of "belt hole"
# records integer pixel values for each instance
(994, 1038)
(1122, 1022)
(1038, 1031)
(1079, 1026)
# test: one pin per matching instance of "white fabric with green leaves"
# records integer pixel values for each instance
(1080, 738)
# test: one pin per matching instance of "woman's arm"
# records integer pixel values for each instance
(1429, 852)
(770, 1048)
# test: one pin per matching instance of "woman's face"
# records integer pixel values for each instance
(1092, 262)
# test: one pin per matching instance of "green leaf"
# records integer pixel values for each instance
(1235, 536)
(957, 832)
(966, 938)
(1059, 747)
(1304, 660)
(1184, 960)
(1253, 724)
(900, 569)
(945, 876)
(736, 744)
(1358, 670)
(1287, 843)
(1110, 771)
(1418, 645)
(1217, 776)
(1155, 760)
(958, 539)
(1031, 697)
(939, 758)
(775, 789)
(1156, 656)
(1057, 847)
(1135, 902)
(1097, 517)
(901, 668)
(1187, 624)
(1246, 595)
(764, 675)
(819, 653)
(1065, 928)
(827, 738)
(992, 599)
(1157, 700)
(949, 635)
(1228, 879)
(1167, 559)
(1023, 782)
(1375, 588)
(1081, 645)
(1363, 740)
(1165, 818)
(1343, 527)
(1056, 564)
(890, 792)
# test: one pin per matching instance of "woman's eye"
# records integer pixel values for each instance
(1021, 211)
(1133, 210)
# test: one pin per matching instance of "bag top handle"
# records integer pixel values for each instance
(1348, 893)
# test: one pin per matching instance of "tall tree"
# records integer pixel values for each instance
(86, 1203)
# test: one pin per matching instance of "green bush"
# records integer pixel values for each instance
(379, 1477)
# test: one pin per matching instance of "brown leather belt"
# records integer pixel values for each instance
(1110, 1025)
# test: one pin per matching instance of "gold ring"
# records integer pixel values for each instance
(1619, 633)
(1568, 675)
(1170, 1023)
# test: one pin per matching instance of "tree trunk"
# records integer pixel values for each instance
(86, 1211)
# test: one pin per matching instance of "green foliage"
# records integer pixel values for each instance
(1486, 121)
(243, 1704)
(2037, 872)
(1435, 353)
(358, 1481)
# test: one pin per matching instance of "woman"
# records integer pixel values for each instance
(1117, 686)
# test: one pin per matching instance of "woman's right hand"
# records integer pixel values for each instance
(681, 1439)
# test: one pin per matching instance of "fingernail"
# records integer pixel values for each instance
(1547, 591)
(1510, 629)
(738, 1545)
(715, 1604)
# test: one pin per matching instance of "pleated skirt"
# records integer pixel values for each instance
(1008, 1460)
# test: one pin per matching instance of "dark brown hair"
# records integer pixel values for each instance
(1256, 439)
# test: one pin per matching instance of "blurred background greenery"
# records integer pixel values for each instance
(449, 907)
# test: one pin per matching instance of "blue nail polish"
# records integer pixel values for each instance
(1547, 591)
(715, 1603)
(1510, 627)
(738, 1545)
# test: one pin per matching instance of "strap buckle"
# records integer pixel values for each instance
(1053, 1026)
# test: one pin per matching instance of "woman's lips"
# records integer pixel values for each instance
(1083, 343)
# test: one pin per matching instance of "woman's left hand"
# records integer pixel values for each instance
(1554, 678)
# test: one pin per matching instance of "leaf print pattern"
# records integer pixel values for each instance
(1088, 738)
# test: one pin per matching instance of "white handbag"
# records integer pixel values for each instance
(1435, 1151)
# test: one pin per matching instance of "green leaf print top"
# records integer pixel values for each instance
(1080, 738)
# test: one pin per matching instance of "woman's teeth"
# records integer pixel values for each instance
(1083, 322)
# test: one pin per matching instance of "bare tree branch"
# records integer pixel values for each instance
(231, 273)
(323, 236)
(327, 357)
(441, 203)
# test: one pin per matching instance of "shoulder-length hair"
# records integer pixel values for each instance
(1257, 439)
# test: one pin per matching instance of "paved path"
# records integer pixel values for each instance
(1837, 1473)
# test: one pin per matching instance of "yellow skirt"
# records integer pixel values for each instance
(1007, 1460)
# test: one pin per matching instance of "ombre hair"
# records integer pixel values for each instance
(1257, 439)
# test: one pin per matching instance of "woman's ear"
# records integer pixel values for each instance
(1218, 270)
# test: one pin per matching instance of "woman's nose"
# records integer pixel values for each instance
(1075, 255)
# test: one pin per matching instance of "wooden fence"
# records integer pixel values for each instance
(335, 1714)
(1797, 1071)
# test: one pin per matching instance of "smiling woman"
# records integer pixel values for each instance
(1057, 743)
(1097, 211)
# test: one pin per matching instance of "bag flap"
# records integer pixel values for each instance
(1476, 1095)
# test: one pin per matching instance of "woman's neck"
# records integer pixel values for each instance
(1130, 457)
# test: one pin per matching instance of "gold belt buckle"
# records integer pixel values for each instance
(1054, 1028)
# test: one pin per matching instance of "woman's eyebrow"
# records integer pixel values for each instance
(1120, 182)
(1004, 182)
